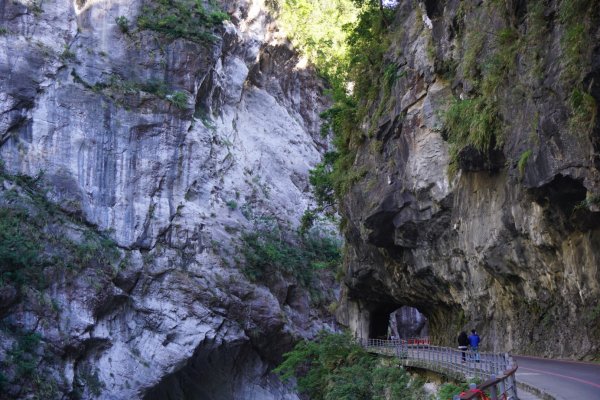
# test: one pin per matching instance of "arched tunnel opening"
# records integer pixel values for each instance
(390, 321)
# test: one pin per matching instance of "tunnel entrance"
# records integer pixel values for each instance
(391, 322)
(380, 321)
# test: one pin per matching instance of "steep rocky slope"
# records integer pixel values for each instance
(146, 147)
(479, 195)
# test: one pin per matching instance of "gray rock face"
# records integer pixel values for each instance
(408, 322)
(173, 182)
(510, 248)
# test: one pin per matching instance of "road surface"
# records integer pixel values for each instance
(565, 380)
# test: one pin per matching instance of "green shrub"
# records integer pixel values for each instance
(473, 122)
(334, 367)
(20, 248)
(473, 45)
(584, 112)
(574, 16)
(23, 354)
(307, 221)
(448, 390)
(523, 161)
(156, 87)
(178, 99)
(316, 28)
(30, 248)
(537, 31)
(232, 205)
(346, 41)
(68, 55)
(390, 75)
(123, 23)
(477, 121)
(186, 19)
(502, 62)
(322, 182)
(268, 249)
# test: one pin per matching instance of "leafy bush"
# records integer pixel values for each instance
(448, 390)
(576, 18)
(322, 181)
(68, 55)
(334, 367)
(477, 121)
(523, 161)
(123, 23)
(20, 248)
(22, 354)
(186, 19)
(584, 112)
(473, 122)
(232, 205)
(268, 249)
(346, 41)
(178, 99)
(30, 249)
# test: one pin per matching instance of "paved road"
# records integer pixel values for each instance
(565, 380)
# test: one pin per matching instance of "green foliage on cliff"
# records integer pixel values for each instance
(269, 249)
(448, 390)
(31, 243)
(576, 18)
(41, 245)
(187, 19)
(522, 163)
(476, 121)
(21, 366)
(574, 15)
(20, 248)
(318, 30)
(334, 367)
(346, 41)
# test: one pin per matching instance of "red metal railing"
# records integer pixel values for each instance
(502, 388)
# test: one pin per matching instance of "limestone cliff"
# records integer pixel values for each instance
(496, 228)
(143, 137)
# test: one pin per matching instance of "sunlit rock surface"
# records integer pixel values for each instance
(173, 184)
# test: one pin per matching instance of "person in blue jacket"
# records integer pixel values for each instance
(474, 341)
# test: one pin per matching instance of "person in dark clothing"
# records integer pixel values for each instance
(474, 341)
(463, 343)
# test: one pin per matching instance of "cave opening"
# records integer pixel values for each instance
(390, 321)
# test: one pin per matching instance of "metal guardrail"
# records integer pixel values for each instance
(502, 388)
(497, 370)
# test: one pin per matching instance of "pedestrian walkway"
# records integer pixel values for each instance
(496, 370)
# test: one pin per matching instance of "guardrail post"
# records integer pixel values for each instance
(513, 383)
(493, 389)
(502, 388)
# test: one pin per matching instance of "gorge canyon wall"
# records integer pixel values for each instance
(496, 228)
(147, 152)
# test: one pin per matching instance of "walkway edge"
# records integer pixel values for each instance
(536, 391)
